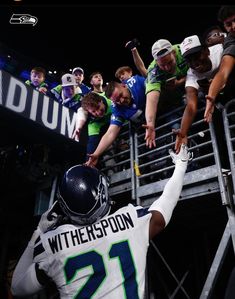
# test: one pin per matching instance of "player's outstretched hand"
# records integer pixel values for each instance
(184, 154)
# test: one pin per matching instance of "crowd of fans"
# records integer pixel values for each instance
(199, 68)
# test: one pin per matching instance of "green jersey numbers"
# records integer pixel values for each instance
(119, 251)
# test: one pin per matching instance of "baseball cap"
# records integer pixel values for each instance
(190, 45)
(161, 48)
(68, 80)
(78, 69)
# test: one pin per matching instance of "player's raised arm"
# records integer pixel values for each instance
(163, 207)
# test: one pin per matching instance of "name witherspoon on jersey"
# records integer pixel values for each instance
(74, 237)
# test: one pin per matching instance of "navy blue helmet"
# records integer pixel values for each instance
(83, 195)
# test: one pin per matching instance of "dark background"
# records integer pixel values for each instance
(93, 36)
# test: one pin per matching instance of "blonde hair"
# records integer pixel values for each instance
(121, 70)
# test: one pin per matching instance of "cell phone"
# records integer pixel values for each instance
(133, 43)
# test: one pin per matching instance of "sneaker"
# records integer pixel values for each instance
(184, 155)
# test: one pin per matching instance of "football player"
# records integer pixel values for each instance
(86, 250)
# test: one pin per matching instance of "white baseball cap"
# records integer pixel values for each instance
(161, 48)
(78, 68)
(68, 80)
(190, 45)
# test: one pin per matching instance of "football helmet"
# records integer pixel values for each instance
(83, 195)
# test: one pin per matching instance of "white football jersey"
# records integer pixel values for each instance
(104, 260)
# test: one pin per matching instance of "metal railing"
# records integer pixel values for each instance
(227, 186)
(146, 170)
(149, 169)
